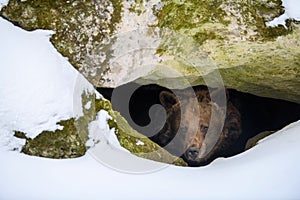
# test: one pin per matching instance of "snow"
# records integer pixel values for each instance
(139, 142)
(99, 126)
(3, 3)
(268, 171)
(292, 11)
(35, 80)
(87, 106)
(38, 88)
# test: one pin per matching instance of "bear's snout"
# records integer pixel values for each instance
(192, 153)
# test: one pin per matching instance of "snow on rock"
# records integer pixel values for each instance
(37, 85)
(139, 142)
(9, 142)
(3, 3)
(292, 11)
(88, 105)
(99, 131)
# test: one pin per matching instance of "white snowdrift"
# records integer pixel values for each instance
(268, 171)
(38, 87)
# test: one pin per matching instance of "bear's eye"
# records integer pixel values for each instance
(203, 129)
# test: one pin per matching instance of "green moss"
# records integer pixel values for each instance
(117, 5)
(63, 143)
(209, 20)
(137, 7)
(188, 15)
(205, 35)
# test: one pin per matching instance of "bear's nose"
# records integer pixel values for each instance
(192, 153)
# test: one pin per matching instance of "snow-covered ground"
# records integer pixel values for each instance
(269, 171)
(38, 87)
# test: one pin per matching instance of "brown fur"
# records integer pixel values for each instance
(190, 130)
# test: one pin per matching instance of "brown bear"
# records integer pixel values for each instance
(199, 127)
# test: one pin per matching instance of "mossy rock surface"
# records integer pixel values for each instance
(67, 142)
(64, 143)
(209, 20)
(250, 56)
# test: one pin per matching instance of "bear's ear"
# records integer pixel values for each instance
(220, 96)
(167, 99)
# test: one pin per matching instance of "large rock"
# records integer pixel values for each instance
(187, 39)
(171, 43)
(79, 26)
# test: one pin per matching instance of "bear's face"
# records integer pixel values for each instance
(198, 129)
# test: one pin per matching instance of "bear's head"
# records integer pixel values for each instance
(198, 129)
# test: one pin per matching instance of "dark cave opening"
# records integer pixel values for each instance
(260, 116)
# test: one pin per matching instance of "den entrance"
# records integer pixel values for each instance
(260, 116)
